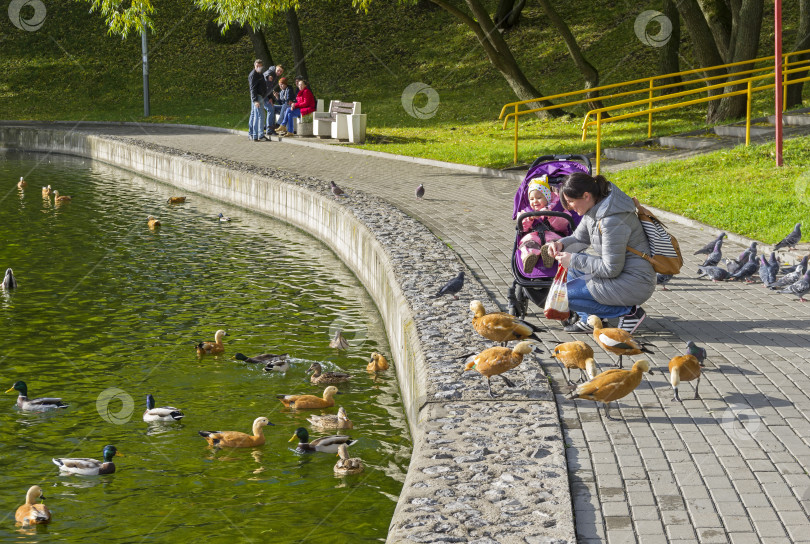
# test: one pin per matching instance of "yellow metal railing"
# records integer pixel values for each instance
(748, 91)
(650, 88)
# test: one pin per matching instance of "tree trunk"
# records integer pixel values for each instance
(260, 45)
(668, 61)
(498, 53)
(746, 29)
(296, 44)
(719, 17)
(508, 12)
(590, 73)
(793, 93)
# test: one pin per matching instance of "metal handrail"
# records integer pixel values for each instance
(749, 91)
(651, 90)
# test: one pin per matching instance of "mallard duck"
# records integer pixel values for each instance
(263, 359)
(684, 368)
(212, 348)
(378, 363)
(496, 361)
(61, 198)
(89, 467)
(277, 365)
(34, 405)
(33, 513)
(321, 377)
(223, 219)
(9, 281)
(616, 341)
(176, 199)
(338, 342)
(331, 421)
(325, 444)
(153, 222)
(310, 402)
(611, 385)
(347, 466)
(164, 413)
(235, 439)
(46, 192)
(500, 326)
(22, 184)
(576, 355)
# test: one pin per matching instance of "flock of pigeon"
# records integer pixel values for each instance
(796, 278)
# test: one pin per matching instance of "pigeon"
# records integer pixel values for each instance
(773, 266)
(698, 352)
(714, 257)
(663, 280)
(800, 288)
(765, 273)
(9, 282)
(794, 267)
(420, 192)
(791, 239)
(714, 272)
(708, 248)
(733, 265)
(452, 287)
(337, 191)
(746, 271)
(751, 251)
(792, 277)
(224, 219)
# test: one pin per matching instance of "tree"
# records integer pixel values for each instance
(296, 44)
(723, 33)
(590, 73)
(508, 13)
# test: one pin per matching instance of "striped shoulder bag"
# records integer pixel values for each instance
(665, 253)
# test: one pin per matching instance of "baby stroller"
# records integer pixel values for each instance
(535, 285)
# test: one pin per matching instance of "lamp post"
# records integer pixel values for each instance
(145, 56)
(777, 17)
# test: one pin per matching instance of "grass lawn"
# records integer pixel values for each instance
(70, 69)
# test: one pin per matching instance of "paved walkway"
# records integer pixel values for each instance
(730, 467)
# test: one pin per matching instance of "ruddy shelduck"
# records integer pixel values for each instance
(378, 363)
(310, 402)
(500, 326)
(236, 439)
(611, 385)
(616, 341)
(684, 368)
(576, 355)
(212, 348)
(495, 361)
(32, 512)
(153, 222)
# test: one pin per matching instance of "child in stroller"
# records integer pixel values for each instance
(540, 229)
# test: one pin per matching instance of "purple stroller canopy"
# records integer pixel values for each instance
(553, 169)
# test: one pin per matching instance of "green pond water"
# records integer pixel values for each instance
(107, 308)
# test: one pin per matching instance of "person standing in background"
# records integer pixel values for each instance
(258, 94)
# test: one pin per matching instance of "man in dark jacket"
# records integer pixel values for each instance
(272, 76)
(258, 94)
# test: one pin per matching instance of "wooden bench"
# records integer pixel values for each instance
(343, 121)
